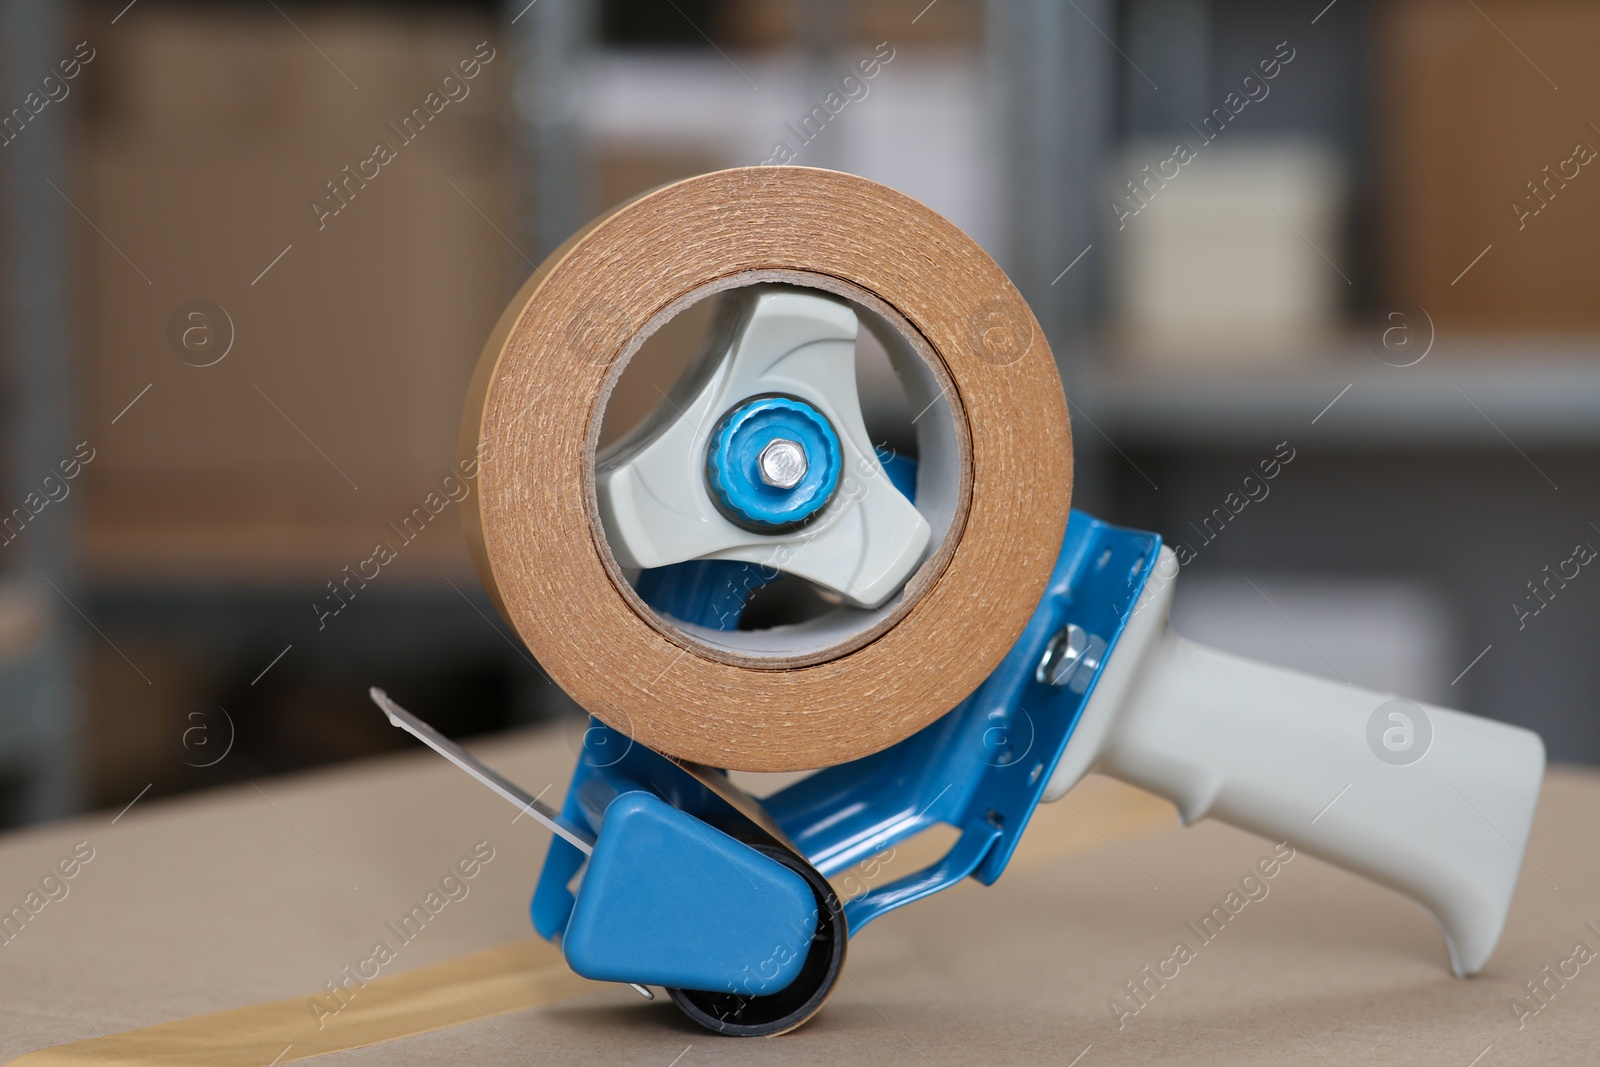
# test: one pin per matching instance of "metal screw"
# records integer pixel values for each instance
(783, 463)
(1070, 659)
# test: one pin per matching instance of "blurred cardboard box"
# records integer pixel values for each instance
(236, 158)
(1227, 252)
(143, 727)
(1487, 133)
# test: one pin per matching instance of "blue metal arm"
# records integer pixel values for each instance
(981, 768)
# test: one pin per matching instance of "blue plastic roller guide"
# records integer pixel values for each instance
(688, 905)
(732, 462)
(660, 879)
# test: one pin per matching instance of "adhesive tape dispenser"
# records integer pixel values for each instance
(962, 651)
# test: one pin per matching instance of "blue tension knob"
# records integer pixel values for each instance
(773, 462)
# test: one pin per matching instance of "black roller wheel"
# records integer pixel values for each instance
(738, 1015)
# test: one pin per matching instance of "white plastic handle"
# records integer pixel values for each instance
(1434, 803)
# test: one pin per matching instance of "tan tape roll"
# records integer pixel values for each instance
(533, 421)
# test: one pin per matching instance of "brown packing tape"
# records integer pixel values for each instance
(512, 977)
(524, 974)
(533, 417)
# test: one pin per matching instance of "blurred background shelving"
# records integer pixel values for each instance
(1349, 161)
(1538, 392)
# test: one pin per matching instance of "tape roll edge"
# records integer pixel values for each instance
(776, 745)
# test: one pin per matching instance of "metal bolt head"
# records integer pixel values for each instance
(1062, 655)
(782, 463)
(1070, 659)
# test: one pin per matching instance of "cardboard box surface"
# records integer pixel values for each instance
(233, 897)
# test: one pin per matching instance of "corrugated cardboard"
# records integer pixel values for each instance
(336, 410)
(1475, 101)
(236, 897)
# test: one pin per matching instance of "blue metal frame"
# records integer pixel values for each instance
(981, 768)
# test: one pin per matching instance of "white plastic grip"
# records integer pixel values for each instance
(1431, 802)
